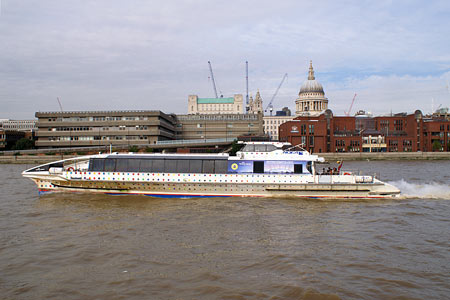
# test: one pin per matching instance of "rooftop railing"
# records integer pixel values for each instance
(198, 141)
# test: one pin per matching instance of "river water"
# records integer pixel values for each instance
(74, 246)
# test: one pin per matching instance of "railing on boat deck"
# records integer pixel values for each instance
(360, 177)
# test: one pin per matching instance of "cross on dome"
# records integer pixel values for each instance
(311, 71)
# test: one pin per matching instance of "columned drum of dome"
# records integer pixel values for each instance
(311, 99)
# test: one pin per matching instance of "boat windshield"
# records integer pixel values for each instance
(259, 148)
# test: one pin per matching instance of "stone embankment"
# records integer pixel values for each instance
(42, 159)
(386, 156)
(31, 159)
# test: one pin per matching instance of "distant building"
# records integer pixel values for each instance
(207, 126)
(311, 99)
(101, 128)
(203, 106)
(272, 124)
(8, 138)
(364, 133)
(283, 112)
(18, 125)
(255, 106)
(442, 113)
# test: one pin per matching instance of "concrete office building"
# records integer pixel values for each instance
(18, 125)
(193, 127)
(102, 128)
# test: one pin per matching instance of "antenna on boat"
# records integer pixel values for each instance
(298, 146)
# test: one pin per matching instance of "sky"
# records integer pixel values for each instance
(150, 55)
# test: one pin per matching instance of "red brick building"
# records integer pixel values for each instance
(363, 133)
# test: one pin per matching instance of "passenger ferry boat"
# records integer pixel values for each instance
(260, 169)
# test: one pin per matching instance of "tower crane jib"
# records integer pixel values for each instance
(270, 105)
(212, 78)
(351, 105)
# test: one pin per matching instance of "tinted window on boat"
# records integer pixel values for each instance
(221, 166)
(110, 165)
(249, 148)
(57, 165)
(183, 166)
(170, 166)
(260, 148)
(208, 166)
(146, 165)
(122, 165)
(258, 167)
(158, 165)
(195, 166)
(270, 148)
(96, 164)
(133, 165)
(40, 168)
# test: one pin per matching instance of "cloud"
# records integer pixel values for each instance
(382, 94)
(152, 55)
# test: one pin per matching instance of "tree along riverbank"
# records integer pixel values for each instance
(42, 159)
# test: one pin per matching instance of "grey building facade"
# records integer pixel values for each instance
(194, 127)
(102, 128)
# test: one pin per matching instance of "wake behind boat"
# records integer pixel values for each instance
(260, 169)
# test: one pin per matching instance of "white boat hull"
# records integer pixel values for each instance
(214, 185)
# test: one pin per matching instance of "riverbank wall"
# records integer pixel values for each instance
(387, 156)
(331, 157)
(32, 159)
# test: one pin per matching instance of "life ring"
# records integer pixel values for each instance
(347, 173)
(70, 169)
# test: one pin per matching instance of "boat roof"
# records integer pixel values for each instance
(167, 155)
(276, 144)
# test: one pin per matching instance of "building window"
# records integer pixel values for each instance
(303, 129)
(398, 124)
(303, 140)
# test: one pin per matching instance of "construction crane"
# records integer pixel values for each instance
(351, 105)
(212, 78)
(59, 102)
(247, 108)
(270, 106)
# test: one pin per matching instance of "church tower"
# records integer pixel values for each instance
(311, 99)
(255, 105)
